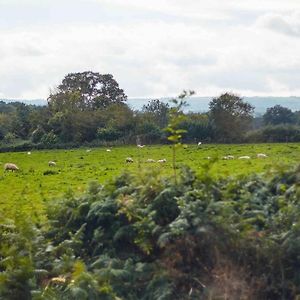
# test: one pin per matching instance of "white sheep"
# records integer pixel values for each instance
(108, 150)
(51, 163)
(162, 161)
(29, 153)
(199, 143)
(129, 160)
(261, 155)
(150, 160)
(140, 146)
(228, 157)
(10, 167)
(88, 150)
(245, 157)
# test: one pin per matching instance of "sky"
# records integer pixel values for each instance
(152, 48)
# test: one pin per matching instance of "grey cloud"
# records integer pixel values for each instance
(280, 24)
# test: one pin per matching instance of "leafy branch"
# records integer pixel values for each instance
(176, 117)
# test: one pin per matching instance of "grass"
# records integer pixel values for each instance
(36, 182)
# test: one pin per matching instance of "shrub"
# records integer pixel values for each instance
(49, 139)
(108, 134)
(142, 236)
(37, 134)
(278, 133)
(9, 138)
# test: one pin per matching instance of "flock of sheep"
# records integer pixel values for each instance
(259, 155)
(14, 167)
(149, 160)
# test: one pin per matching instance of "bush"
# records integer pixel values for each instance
(149, 132)
(37, 134)
(278, 133)
(108, 134)
(49, 139)
(9, 138)
(144, 237)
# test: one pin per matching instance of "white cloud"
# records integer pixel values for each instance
(205, 46)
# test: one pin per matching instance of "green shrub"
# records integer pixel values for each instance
(49, 139)
(141, 236)
(277, 133)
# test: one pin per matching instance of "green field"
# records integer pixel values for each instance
(34, 184)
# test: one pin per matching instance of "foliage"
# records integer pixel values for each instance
(37, 134)
(276, 133)
(144, 237)
(49, 138)
(278, 115)
(198, 128)
(231, 116)
(86, 91)
(108, 134)
(157, 112)
(76, 113)
(176, 118)
(9, 138)
(148, 132)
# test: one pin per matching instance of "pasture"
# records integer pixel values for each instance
(36, 182)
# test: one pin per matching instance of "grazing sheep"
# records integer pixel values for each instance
(51, 163)
(261, 155)
(129, 160)
(244, 157)
(29, 153)
(150, 160)
(140, 146)
(162, 161)
(199, 143)
(228, 157)
(108, 150)
(10, 167)
(88, 150)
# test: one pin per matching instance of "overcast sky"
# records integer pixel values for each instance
(152, 47)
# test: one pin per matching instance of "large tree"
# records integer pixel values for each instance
(231, 116)
(86, 91)
(279, 115)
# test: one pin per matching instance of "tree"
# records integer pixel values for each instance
(21, 120)
(278, 115)
(297, 117)
(231, 116)
(156, 111)
(198, 127)
(176, 118)
(86, 91)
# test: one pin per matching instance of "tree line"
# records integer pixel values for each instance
(90, 108)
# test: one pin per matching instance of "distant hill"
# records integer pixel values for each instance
(199, 104)
(38, 102)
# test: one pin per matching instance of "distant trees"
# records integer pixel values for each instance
(198, 127)
(156, 111)
(89, 107)
(231, 116)
(278, 115)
